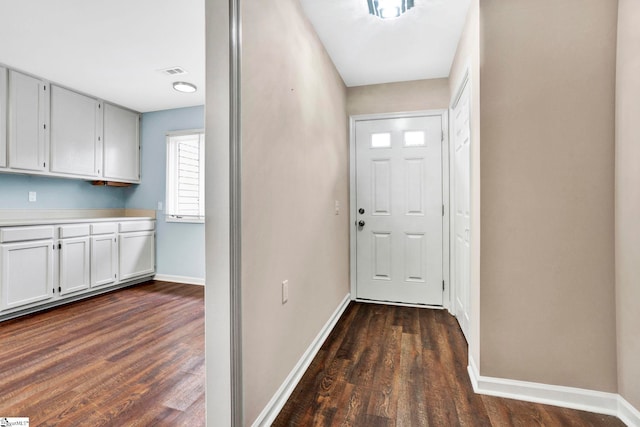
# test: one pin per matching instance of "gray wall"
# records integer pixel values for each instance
(416, 95)
(628, 201)
(295, 166)
(547, 86)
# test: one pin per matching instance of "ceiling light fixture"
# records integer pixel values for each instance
(184, 87)
(386, 9)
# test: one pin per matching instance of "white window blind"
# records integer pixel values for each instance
(185, 177)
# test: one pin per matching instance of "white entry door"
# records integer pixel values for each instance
(461, 218)
(399, 209)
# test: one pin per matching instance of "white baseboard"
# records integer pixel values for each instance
(627, 413)
(273, 408)
(567, 397)
(179, 279)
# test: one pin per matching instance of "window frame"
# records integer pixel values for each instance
(171, 177)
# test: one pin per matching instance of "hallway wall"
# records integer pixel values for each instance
(295, 167)
(628, 201)
(417, 95)
(547, 82)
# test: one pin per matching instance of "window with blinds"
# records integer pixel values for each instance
(185, 177)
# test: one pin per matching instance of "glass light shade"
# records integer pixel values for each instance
(184, 87)
(386, 9)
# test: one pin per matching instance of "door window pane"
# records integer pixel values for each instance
(414, 138)
(380, 140)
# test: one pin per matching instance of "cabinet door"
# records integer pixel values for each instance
(104, 260)
(76, 132)
(27, 273)
(74, 265)
(3, 117)
(137, 254)
(28, 112)
(121, 144)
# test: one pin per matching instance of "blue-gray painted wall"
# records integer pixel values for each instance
(56, 193)
(180, 246)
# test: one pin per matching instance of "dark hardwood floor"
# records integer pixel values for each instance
(133, 357)
(399, 366)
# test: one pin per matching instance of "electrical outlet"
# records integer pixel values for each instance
(337, 207)
(159, 206)
(285, 291)
(32, 196)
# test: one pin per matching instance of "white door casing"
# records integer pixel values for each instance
(399, 198)
(461, 223)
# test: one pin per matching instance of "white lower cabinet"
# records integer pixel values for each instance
(26, 273)
(38, 266)
(74, 252)
(104, 260)
(137, 254)
(74, 265)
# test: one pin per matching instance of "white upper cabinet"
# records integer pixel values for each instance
(28, 113)
(49, 130)
(76, 133)
(121, 144)
(3, 117)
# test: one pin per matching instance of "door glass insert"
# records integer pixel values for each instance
(414, 138)
(380, 140)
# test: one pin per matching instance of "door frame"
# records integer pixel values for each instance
(353, 119)
(464, 82)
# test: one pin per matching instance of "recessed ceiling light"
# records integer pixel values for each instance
(389, 8)
(184, 87)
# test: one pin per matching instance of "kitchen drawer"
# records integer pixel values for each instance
(128, 226)
(104, 228)
(73, 230)
(20, 234)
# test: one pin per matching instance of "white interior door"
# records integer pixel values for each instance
(399, 208)
(461, 218)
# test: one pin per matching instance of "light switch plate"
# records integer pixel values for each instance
(32, 196)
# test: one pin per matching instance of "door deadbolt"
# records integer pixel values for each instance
(361, 211)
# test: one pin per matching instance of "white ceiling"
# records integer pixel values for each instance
(367, 50)
(113, 49)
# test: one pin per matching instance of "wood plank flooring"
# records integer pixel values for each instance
(132, 357)
(400, 366)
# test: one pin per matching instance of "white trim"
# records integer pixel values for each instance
(174, 178)
(444, 113)
(567, 397)
(627, 413)
(179, 279)
(184, 132)
(273, 408)
(399, 304)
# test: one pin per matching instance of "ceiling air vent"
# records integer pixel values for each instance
(174, 71)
